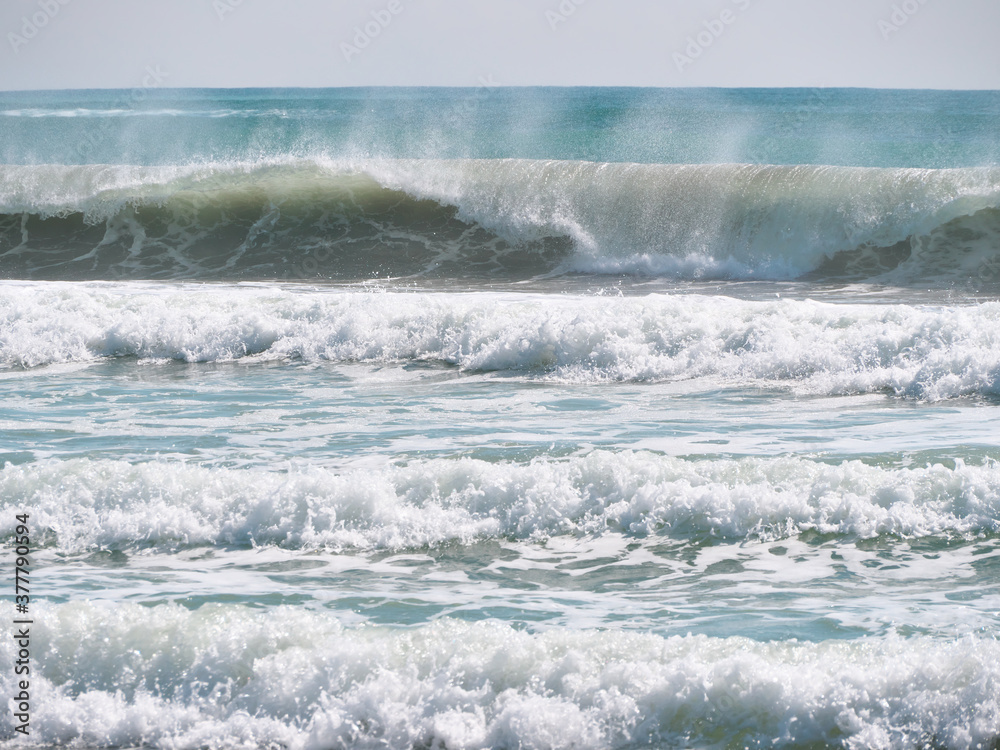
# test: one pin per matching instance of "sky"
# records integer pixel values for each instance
(65, 44)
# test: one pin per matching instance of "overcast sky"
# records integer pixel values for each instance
(53, 44)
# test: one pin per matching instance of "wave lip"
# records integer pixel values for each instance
(83, 505)
(814, 348)
(506, 217)
(165, 676)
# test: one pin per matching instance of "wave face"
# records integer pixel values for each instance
(225, 676)
(925, 353)
(83, 505)
(499, 219)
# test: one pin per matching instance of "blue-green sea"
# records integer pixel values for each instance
(503, 417)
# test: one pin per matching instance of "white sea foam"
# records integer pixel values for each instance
(928, 353)
(85, 504)
(224, 676)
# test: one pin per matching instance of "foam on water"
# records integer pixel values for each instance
(86, 504)
(225, 676)
(928, 353)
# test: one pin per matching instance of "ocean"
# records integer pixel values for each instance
(501, 418)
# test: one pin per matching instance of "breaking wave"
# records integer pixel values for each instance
(927, 353)
(227, 676)
(504, 218)
(84, 504)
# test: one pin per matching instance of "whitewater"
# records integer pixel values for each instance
(507, 418)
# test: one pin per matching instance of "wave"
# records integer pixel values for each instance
(503, 218)
(84, 504)
(926, 353)
(226, 676)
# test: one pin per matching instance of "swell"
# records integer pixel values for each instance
(505, 218)
(84, 505)
(226, 676)
(926, 353)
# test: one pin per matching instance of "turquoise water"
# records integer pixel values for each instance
(504, 417)
(845, 127)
